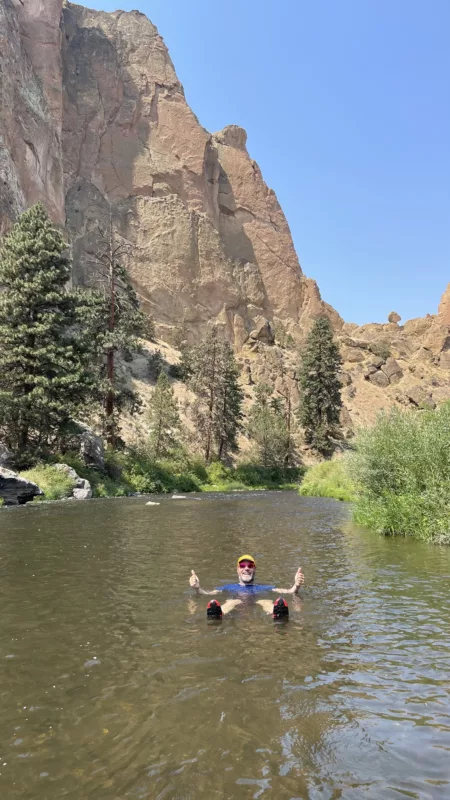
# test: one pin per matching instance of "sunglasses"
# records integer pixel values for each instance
(248, 564)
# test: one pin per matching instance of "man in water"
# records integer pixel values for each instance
(246, 570)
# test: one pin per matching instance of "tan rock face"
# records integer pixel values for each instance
(392, 370)
(444, 307)
(31, 108)
(211, 243)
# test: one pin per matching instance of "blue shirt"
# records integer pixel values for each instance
(251, 588)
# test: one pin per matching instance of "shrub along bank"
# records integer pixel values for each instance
(402, 466)
(328, 479)
(129, 473)
(397, 475)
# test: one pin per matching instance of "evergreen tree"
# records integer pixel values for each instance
(155, 365)
(163, 418)
(45, 376)
(117, 324)
(211, 372)
(268, 430)
(321, 388)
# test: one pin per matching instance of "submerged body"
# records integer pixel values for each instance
(246, 571)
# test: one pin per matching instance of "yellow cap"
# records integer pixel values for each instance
(246, 557)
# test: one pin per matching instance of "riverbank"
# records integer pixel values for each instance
(128, 474)
(397, 476)
(328, 479)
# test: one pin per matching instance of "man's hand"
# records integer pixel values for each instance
(299, 578)
(194, 581)
(298, 581)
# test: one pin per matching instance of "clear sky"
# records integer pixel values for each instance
(347, 108)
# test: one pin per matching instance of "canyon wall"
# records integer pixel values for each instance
(94, 123)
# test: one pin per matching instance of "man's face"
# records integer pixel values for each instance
(246, 571)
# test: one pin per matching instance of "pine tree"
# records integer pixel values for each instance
(45, 377)
(163, 418)
(117, 324)
(321, 388)
(211, 372)
(268, 430)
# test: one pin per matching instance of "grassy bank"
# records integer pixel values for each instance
(402, 465)
(132, 473)
(54, 484)
(328, 479)
(219, 478)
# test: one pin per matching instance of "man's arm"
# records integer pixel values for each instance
(195, 583)
(298, 581)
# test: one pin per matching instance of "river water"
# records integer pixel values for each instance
(113, 685)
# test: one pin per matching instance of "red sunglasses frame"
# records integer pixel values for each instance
(249, 564)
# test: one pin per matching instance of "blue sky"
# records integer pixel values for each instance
(347, 108)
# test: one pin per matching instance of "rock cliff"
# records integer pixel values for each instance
(94, 122)
(31, 108)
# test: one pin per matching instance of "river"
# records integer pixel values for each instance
(113, 685)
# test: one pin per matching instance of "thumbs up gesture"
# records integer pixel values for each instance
(299, 578)
(194, 581)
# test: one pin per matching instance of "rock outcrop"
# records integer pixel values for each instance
(5, 455)
(81, 487)
(15, 490)
(95, 96)
(444, 307)
(31, 108)
(89, 446)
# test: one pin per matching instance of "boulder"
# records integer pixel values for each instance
(418, 326)
(89, 446)
(379, 379)
(352, 354)
(420, 398)
(15, 490)
(394, 317)
(375, 361)
(5, 455)
(81, 487)
(438, 339)
(263, 333)
(423, 354)
(83, 492)
(69, 471)
(392, 370)
(349, 342)
(444, 360)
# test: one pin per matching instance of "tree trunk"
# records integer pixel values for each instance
(109, 404)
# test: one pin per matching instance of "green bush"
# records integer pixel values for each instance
(328, 479)
(198, 469)
(133, 470)
(109, 483)
(55, 484)
(255, 475)
(217, 472)
(380, 349)
(402, 465)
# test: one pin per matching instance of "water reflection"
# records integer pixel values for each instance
(113, 685)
